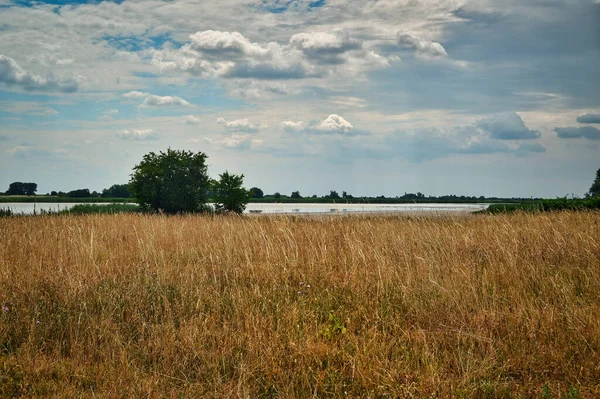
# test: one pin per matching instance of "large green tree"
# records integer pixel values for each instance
(595, 189)
(229, 193)
(172, 182)
(20, 188)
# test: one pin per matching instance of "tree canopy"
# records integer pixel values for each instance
(595, 189)
(256, 192)
(171, 182)
(117, 191)
(229, 194)
(20, 188)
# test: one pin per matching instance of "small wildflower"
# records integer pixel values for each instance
(5, 308)
(37, 322)
(299, 292)
(308, 286)
(301, 282)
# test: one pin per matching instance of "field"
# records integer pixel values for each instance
(132, 305)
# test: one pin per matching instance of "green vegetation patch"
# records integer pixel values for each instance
(548, 205)
(87, 209)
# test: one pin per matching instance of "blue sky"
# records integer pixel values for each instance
(495, 98)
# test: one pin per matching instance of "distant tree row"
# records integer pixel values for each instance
(161, 179)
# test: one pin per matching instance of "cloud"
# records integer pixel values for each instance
(325, 47)
(12, 74)
(348, 102)
(291, 126)
(421, 46)
(589, 118)
(66, 61)
(165, 101)
(108, 114)
(241, 125)
(27, 107)
(137, 134)
(231, 55)
(135, 94)
(508, 126)
(587, 132)
(335, 124)
(525, 148)
(191, 120)
(332, 125)
(214, 54)
(236, 142)
(231, 43)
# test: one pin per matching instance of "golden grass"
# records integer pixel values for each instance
(295, 307)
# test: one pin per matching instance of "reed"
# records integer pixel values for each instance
(379, 306)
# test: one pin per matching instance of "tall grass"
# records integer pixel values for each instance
(135, 305)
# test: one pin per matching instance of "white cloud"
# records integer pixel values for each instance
(108, 114)
(291, 126)
(421, 46)
(137, 134)
(165, 101)
(325, 47)
(135, 94)
(191, 120)
(230, 55)
(241, 125)
(66, 61)
(236, 142)
(348, 102)
(228, 42)
(12, 74)
(335, 124)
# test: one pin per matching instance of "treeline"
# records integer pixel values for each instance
(334, 197)
(30, 189)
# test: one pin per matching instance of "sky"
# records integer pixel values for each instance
(379, 97)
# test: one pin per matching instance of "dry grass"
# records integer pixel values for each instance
(292, 307)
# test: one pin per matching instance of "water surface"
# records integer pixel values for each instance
(271, 208)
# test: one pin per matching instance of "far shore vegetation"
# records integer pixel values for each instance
(176, 194)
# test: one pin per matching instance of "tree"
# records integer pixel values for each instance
(80, 193)
(256, 192)
(334, 194)
(117, 191)
(595, 189)
(296, 195)
(20, 188)
(277, 195)
(173, 181)
(229, 194)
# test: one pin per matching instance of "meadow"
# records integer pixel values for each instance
(373, 306)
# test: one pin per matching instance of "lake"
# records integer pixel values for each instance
(261, 208)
